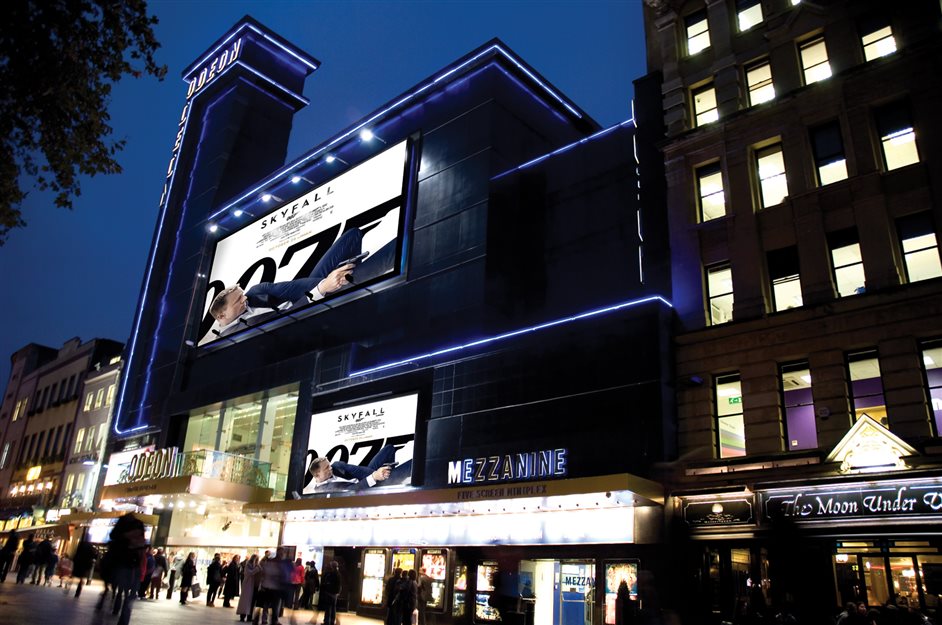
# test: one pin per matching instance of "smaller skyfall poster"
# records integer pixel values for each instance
(365, 446)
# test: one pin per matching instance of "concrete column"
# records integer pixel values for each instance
(829, 387)
(904, 389)
(762, 413)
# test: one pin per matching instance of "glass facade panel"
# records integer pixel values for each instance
(202, 429)
(731, 429)
(875, 580)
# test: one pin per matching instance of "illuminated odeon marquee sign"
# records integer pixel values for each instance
(213, 68)
(509, 467)
(152, 465)
(871, 500)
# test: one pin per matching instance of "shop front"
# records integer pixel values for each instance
(546, 552)
(862, 527)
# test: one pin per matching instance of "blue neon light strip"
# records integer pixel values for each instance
(511, 334)
(304, 101)
(392, 107)
(565, 148)
(232, 35)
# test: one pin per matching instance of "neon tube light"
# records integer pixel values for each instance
(513, 333)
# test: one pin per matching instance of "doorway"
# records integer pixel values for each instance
(557, 592)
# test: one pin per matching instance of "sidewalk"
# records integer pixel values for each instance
(38, 605)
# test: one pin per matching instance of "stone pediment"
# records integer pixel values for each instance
(868, 446)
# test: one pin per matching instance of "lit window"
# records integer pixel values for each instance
(749, 13)
(80, 482)
(88, 401)
(759, 82)
(4, 454)
(800, 425)
(920, 247)
(828, 151)
(847, 262)
(109, 399)
(102, 433)
(897, 137)
(710, 187)
(786, 278)
(69, 482)
(704, 105)
(878, 41)
(866, 387)
(99, 397)
(731, 429)
(720, 294)
(932, 364)
(90, 439)
(814, 60)
(770, 167)
(20, 408)
(79, 438)
(698, 32)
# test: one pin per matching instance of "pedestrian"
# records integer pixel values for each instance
(175, 563)
(409, 597)
(7, 553)
(331, 587)
(233, 582)
(84, 563)
(148, 564)
(425, 593)
(297, 581)
(311, 585)
(127, 547)
(392, 598)
(157, 575)
(64, 571)
(52, 562)
(25, 562)
(274, 580)
(213, 580)
(187, 573)
(250, 580)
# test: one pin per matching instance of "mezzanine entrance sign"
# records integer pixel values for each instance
(894, 499)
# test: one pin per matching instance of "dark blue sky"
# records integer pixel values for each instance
(79, 273)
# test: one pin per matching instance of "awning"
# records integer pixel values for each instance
(188, 484)
(50, 529)
(619, 489)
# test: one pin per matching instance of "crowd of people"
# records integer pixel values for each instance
(259, 589)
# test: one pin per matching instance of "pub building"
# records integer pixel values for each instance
(458, 301)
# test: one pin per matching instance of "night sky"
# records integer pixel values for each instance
(79, 272)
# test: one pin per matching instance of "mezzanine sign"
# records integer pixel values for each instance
(896, 500)
(509, 467)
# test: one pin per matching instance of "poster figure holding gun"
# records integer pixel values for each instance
(345, 476)
(343, 264)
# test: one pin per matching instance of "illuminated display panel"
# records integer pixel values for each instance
(403, 559)
(374, 569)
(280, 258)
(435, 563)
(359, 439)
(617, 573)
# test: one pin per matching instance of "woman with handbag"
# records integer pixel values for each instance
(187, 573)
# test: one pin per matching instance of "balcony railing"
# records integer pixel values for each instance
(217, 465)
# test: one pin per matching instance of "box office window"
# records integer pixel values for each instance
(710, 192)
(704, 105)
(720, 293)
(815, 65)
(828, 149)
(730, 428)
(800, 427)
(785, 278)
(698, 32)
(932, 366)
(866, 386)
(920, 247)
(897, 136)
(748, 14)
(770, 170)
(847, 262)
(877, 38)
(759, 82)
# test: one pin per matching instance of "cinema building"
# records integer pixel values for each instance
(803, 164)
(497, 362)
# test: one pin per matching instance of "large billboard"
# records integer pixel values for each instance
(362, 446)
(341, 236)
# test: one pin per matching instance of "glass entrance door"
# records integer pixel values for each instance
(576, 592)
